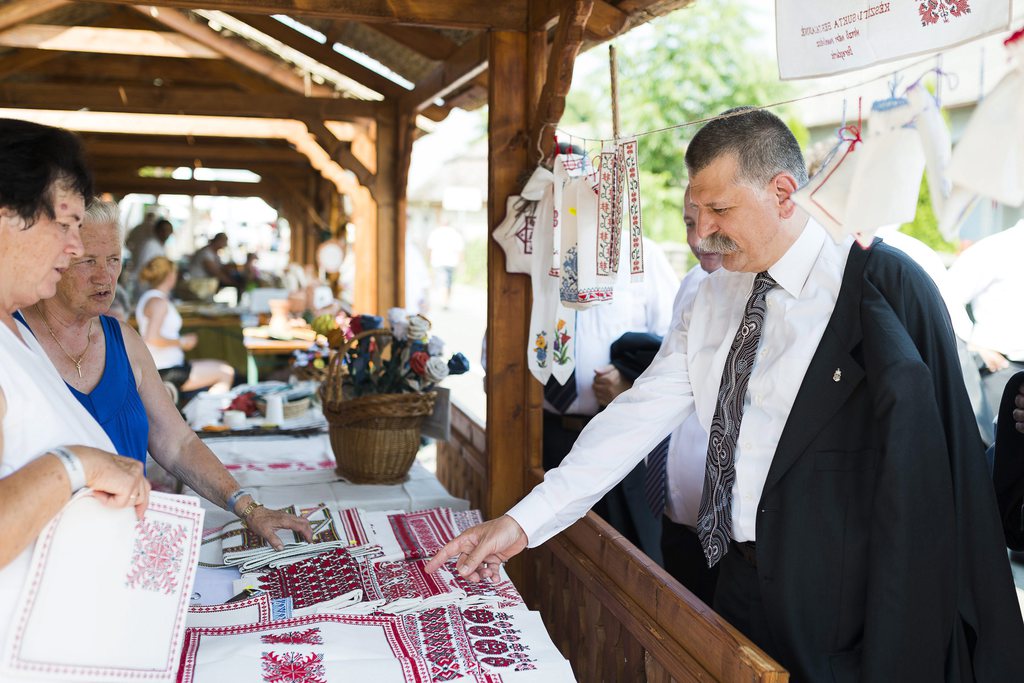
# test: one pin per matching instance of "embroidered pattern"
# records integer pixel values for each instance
(403, 579)
(609, 221)
(540, 349)
(570, 286)
(422, 534)
(157, 557)
(311, 636)
(632, 179)
(525, 233)
(313, 580)
(560, 350)
(293, 667)
(933, 10)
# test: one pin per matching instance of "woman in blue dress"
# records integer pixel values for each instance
(111, 372)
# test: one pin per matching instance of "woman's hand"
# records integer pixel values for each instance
(189, 341)
(116, 481)
(266, 522)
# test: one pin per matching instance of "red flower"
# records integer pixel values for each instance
(355, 325)
(418, 362)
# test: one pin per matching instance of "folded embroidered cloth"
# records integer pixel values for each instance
(441, 644)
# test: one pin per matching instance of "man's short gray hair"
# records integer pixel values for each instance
(764, 146)
(103, 212)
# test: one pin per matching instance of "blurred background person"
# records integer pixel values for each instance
(206, 263)
(988, 277)
(160, 326)
(446, 245)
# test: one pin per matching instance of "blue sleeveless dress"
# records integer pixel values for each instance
(115, 401)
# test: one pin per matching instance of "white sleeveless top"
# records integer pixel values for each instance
(164, 356)
(41, 413)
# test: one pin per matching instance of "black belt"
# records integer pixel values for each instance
(570, 423)
(747, 550)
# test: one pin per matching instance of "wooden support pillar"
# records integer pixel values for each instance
(513, 405)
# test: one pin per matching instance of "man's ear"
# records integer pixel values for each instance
(782, 187)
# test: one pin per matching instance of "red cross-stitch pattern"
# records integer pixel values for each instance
(157, 557)
(933, 10)
(311, 636)
(313, 580)
(393, 580)
(293, 667)
(422, 534)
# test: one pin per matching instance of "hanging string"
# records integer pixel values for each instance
(773, 105)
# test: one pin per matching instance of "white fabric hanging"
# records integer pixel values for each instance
(936, 143)
(869, 181)
(549, 318)
(989, 158)
(581, 286)
(108, 594)
(515, 233)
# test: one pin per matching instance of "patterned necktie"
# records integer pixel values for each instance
(656, 478)
(561, 396)
(714, 520)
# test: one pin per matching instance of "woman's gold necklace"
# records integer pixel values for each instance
(88, 342)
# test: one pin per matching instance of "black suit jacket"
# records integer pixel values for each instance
(1008, 467)
(878, 542)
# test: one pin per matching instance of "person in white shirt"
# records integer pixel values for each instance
(636, 307)
(989, 277)
(206, 263)
(445, 245)
(687, 449)
(840, 448)
(150, 249)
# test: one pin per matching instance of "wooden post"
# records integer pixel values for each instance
(509, 442)
(613, 67)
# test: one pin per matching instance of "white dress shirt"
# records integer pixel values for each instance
(636, 307)
(989, 275)
(688, 444)
(684, 379)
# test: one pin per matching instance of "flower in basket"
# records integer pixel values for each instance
(378, 391)
(402, 359)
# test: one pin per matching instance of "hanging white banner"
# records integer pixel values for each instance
(815, 38)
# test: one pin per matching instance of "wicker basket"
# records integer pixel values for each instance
(375, 438)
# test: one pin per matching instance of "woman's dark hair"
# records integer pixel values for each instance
(33, 159)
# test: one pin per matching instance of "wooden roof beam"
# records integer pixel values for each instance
(465, 64)
(20, 11)
(211, 154)
(23, 60)
(124, 183)
(119, 41)
(430, 44)
(507, 15)
(194, 102)
(273, 69)
(324, 54)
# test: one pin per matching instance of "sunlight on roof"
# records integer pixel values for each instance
(355, 55)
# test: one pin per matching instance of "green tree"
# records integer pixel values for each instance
(683, 67)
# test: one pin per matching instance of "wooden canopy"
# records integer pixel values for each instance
(296, 60)
(283, 88)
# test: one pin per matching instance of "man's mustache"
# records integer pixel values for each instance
(717, 243)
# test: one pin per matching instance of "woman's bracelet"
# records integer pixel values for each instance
(73, 465)
(235, 497)
(249, 509)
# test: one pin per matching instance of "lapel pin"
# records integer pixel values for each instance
(837, 375)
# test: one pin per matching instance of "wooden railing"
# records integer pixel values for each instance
(614, 613)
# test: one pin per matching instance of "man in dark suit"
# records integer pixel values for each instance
(1008, 463)
(846, 498)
